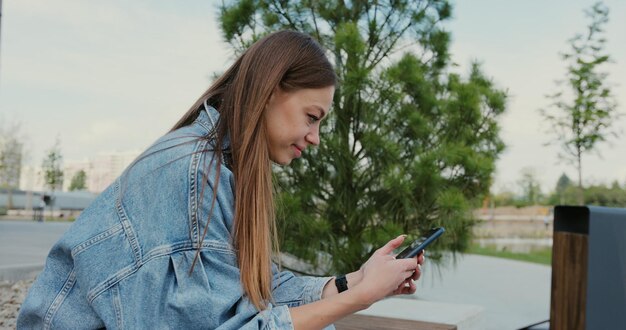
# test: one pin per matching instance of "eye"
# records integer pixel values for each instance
(313, 118)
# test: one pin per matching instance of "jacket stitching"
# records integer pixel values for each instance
(193, 202)
(117, 306)
(128, 229)
(161, 252)
(193, 231)
(177, 247)
(95, 239)
(204, 125)
(58, 300)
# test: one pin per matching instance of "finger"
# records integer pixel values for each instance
(408, 264)
(418, 273)
(400, 289)
(403, 288)
(408, 287)
(408, 275)
(391, 245)
(420, 259)
(412, 287)
(404, 283)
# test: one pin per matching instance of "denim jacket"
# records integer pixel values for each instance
(125, 263)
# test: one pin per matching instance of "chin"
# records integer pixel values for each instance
(282, 162)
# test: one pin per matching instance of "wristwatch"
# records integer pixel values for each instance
(342, 283)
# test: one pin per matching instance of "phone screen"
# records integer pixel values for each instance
(421, 243)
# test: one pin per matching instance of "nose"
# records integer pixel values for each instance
(313, 137)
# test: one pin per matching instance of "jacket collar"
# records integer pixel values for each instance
(210, 117)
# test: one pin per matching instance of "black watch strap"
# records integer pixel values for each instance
(342, 283)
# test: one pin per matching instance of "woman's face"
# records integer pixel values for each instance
(293, 121)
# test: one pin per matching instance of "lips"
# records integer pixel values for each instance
(298, 150)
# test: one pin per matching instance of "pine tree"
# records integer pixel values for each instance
(407, 146)
(561, 186)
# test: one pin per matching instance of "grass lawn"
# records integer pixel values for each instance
(541, 256)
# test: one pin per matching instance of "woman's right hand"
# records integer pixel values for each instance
(383, 274)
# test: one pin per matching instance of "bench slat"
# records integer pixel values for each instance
(360, 322)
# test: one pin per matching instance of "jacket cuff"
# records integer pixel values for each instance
(280, 318)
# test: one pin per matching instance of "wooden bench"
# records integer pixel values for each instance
(401, 313)
(360, 322)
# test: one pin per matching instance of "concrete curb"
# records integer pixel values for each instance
(14, 273)
(464, 317)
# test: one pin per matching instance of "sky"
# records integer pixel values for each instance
(113, 76)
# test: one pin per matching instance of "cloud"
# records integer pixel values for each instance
(112, 74)
(117, 74)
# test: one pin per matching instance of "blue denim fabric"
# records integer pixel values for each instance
(125, 263)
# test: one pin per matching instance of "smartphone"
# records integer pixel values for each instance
(421, 243)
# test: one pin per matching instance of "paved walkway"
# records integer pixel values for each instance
(28, 242)
(512, 294)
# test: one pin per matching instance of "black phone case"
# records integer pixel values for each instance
(421, 243)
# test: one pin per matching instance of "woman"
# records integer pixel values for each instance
(184, 238)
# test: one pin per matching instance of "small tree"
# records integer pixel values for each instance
(52, 171)
(79, 181)
(585, 117)
(11, 156)
(529, 184)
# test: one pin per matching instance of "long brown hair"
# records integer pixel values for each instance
(288, 60)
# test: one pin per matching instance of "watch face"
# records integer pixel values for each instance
(341, 282)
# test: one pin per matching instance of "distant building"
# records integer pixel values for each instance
(31, 178)
(100, 170)
(106, 167)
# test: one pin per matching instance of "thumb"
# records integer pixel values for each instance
(391, 245)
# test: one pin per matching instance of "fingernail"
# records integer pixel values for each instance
(403, 235)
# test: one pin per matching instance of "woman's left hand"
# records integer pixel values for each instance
(408, 286)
